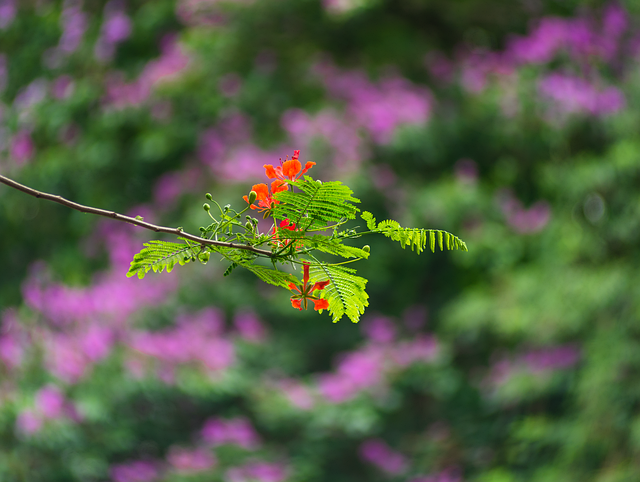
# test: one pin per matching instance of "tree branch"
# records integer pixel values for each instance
(127, 219)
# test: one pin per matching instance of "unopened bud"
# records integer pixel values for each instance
(209, 196)
(252, 197)
(366, 248)
(249, 226)
(206, 207)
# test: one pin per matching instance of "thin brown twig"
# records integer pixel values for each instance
(127, 219)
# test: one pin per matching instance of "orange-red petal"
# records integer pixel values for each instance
(291, 168)
(307, 166)
(261, 190)
(278, 186)
(296, 304)
(320, 285)
(320, 304)
(296, 154)
(292, 287)
(270, 171)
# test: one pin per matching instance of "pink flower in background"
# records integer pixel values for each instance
(168, 67)
(63, 358)
(524, 221)
(571, 94)
(11, 339)
(551, 358)
(236, 431)
(342, 135)
(478, 66)
(357, 371)
(582, 38)
(110, 297)
(170, 186)
(340, 6)
(362, 368)
(137, 471)
(190, 460)
(541, 44)
(7, 13)
(29, 96)
(379, 329)
(195, 338)
(336, 388)
(298, 394)
(423, 348)
(379, 454)
(229, 151)
(11, 351)
(50, 402)
(243, 162)
(62, 87)
(74, 25)
(116, 28)
(257, 471)
(369, 368)
(378, 107)
(538, 361)
(250, 327)
(28, 422)
(615, 21)
(22, 148)
(96, 342)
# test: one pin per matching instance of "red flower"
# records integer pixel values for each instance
(285, 224)
(289, 170)
(265, 199)
(305, 292)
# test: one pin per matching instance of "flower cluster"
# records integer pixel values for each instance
(288, 170)
(305, 293)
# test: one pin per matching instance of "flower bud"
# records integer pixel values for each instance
(249, 226)
(366, 248)
(206, 207)
(252, 197)
(209, 196)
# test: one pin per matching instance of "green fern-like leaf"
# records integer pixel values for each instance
(231, 267)
(326, 244)
(335, 247)
(369, 219)
(345, 293)
(159, 256)
(315, 204)
(270, 275)
(416, 238)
